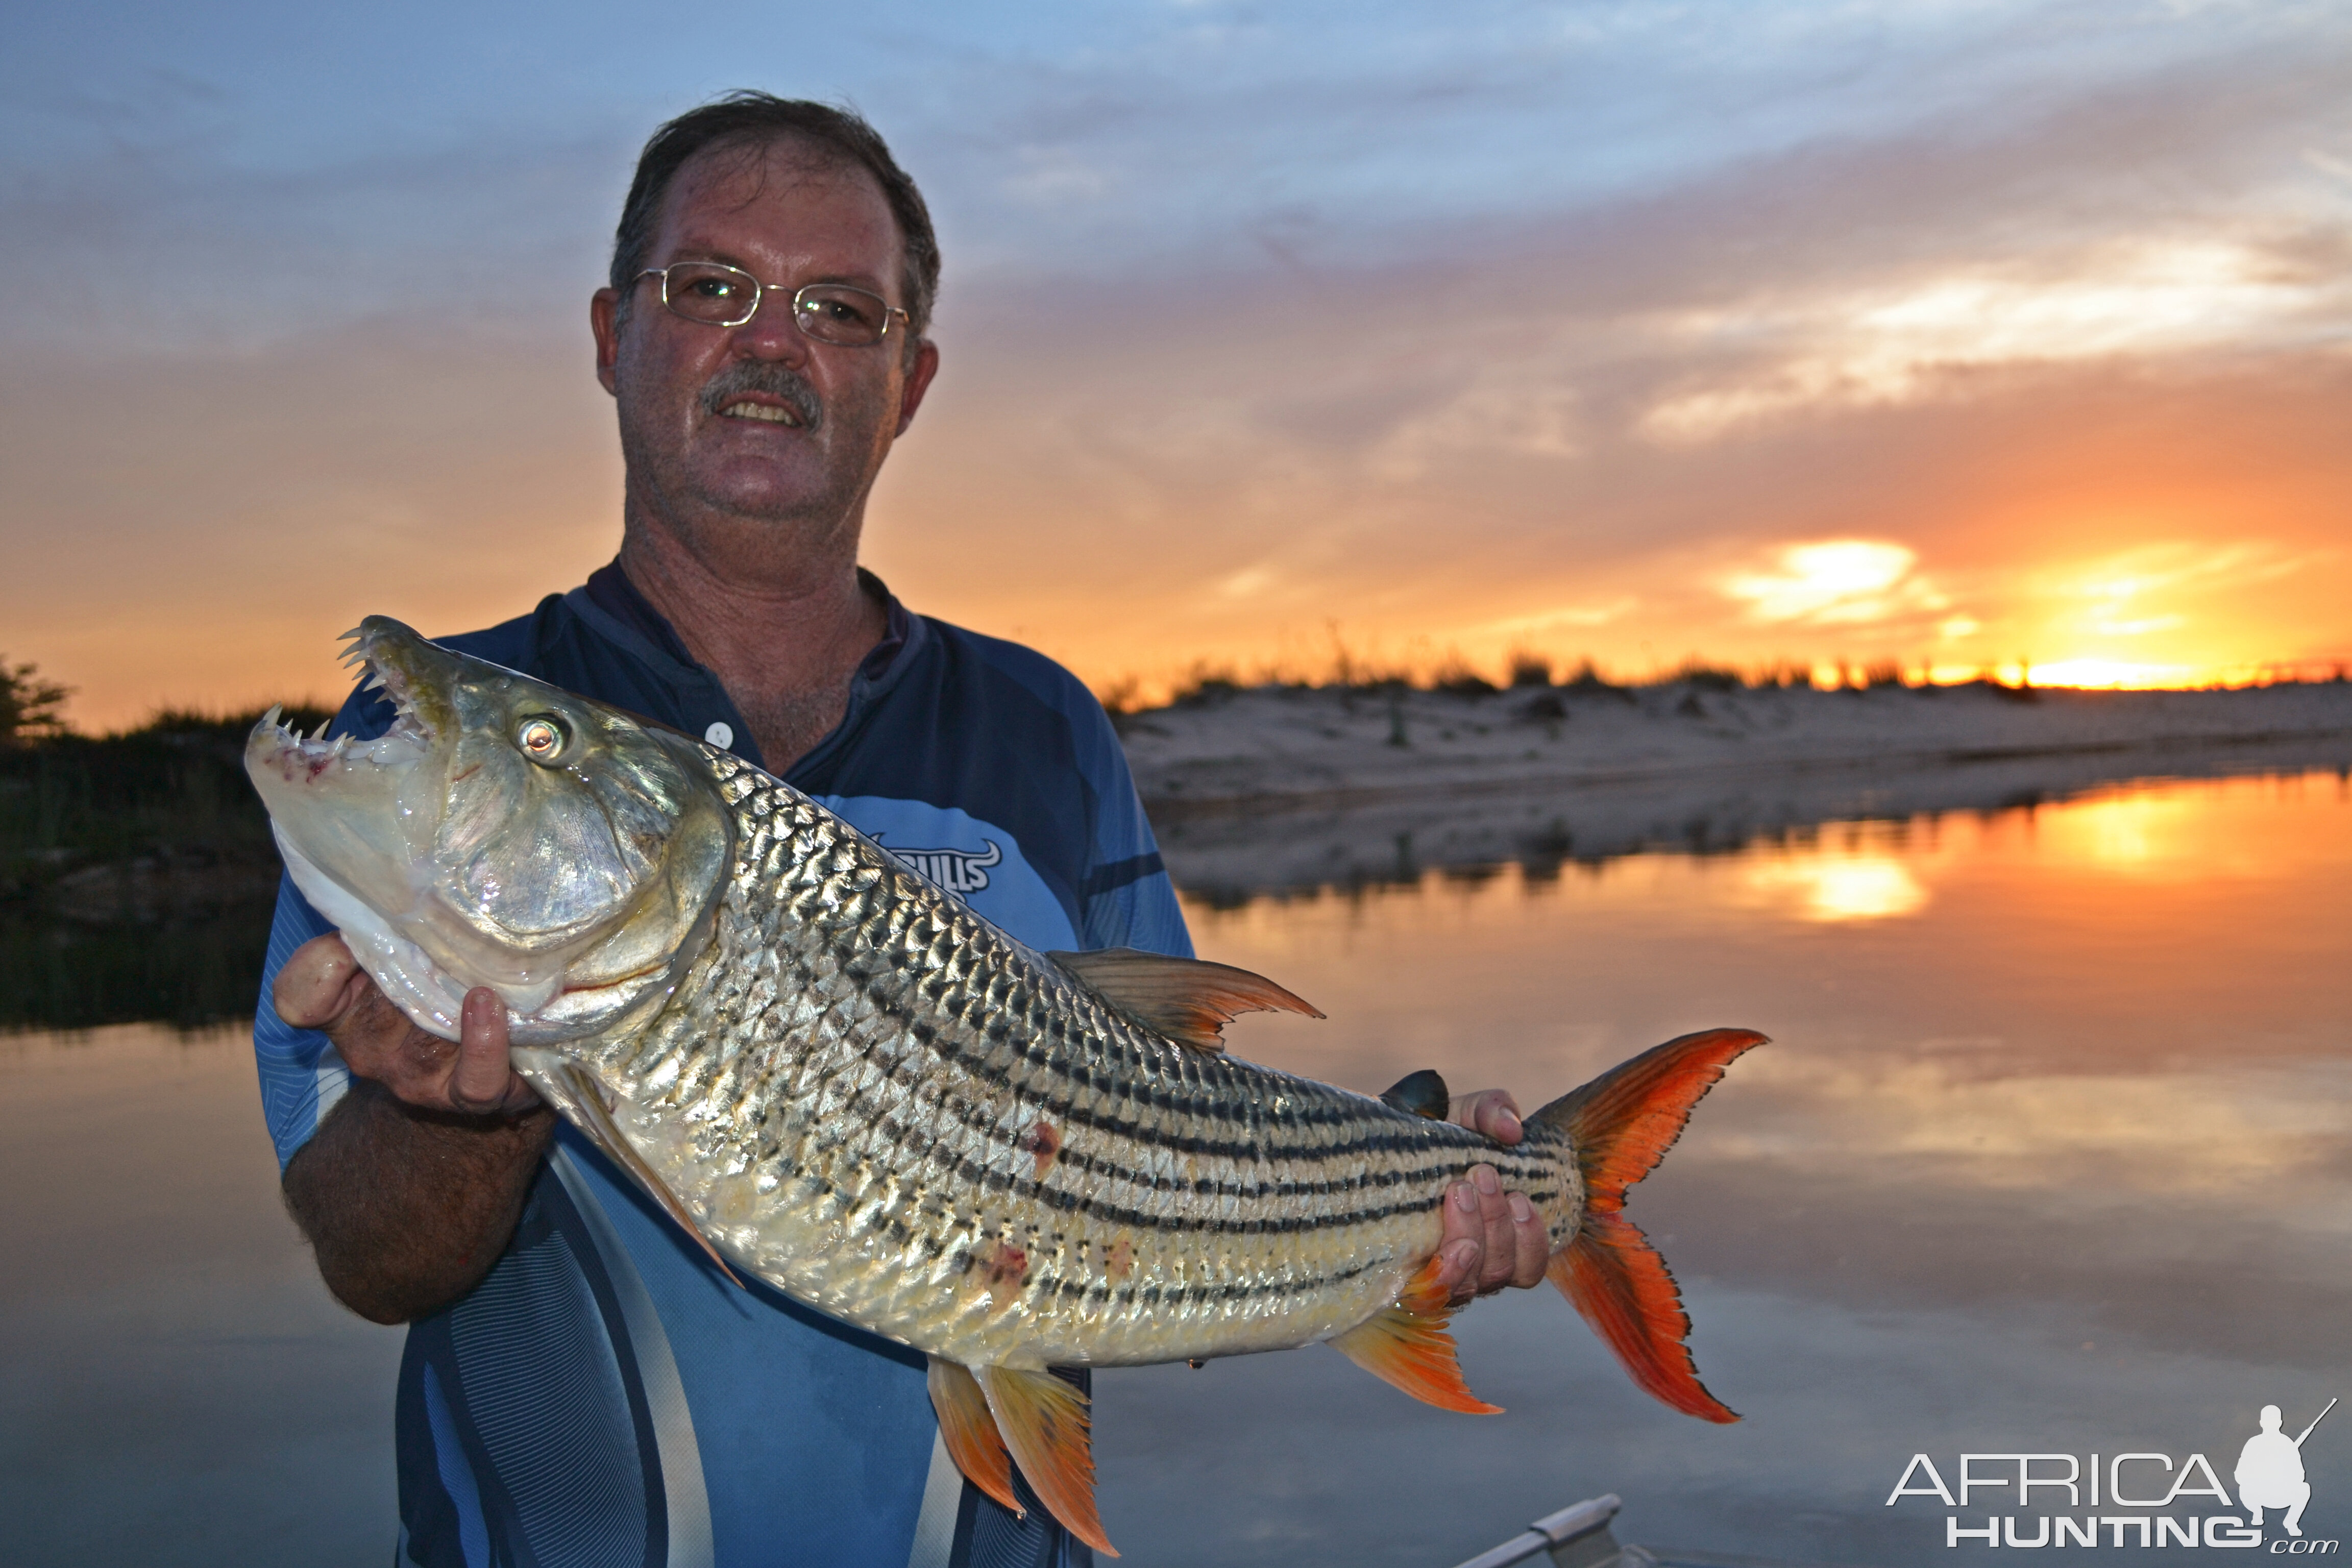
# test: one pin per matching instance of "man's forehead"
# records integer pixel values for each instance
(722, 185)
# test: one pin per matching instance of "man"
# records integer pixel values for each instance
(2270, 1473)
(579, 1385)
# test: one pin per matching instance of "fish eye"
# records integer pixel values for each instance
(541, 738)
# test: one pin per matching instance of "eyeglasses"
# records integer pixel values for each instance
(720, 296)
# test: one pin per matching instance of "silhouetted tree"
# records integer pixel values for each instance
(29, 706)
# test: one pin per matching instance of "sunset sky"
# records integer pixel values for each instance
(1956, 331)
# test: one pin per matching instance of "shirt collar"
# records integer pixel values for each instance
(609, 590)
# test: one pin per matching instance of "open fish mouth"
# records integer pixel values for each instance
(399, 664)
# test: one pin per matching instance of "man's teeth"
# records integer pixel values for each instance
(761, 411)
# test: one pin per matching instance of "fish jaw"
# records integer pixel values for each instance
(353, 820)
(451, 858)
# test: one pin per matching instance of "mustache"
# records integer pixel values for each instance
(764, 375)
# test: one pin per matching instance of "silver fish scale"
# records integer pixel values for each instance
(883, 1105)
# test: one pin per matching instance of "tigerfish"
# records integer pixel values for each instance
(843, 1082)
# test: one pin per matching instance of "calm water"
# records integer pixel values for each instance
(2047, 1157)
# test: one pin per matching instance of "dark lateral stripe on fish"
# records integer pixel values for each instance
(1518, 1166)
(1046, 1281)
(1510, 1161)
(1378, 1130)
(1049, 1281)
(924, 1143)
(990, 1127)
(976, 1012)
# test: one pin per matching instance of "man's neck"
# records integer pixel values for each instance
(784, 636)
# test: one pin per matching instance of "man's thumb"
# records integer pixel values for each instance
(319, 984)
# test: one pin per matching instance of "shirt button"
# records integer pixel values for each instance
(719, 735)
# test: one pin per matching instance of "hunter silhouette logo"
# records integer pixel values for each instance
(2270, 1472)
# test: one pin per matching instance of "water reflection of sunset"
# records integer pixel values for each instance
(2052, 1156)
(1847, 888)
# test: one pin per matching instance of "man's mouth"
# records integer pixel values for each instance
(764, 412)
(764, 393)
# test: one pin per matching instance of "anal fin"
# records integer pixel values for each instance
(1408, 1345)
(969, 1431)
(597, 1121)
(1043, 1420)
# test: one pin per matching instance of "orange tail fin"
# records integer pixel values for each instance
(1621, 1125)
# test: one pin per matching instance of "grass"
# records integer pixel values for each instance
(1349, 669)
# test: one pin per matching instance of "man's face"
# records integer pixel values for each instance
(758, 421)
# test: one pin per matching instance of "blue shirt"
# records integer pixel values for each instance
(605, 1396)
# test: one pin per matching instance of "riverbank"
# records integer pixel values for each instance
(1277, 789)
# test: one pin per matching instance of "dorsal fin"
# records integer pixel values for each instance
(1423, 1093)
(1183, 998)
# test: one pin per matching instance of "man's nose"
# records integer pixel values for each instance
(771, 334)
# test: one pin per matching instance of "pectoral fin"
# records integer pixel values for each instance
(1186, 1000)
(1043, 1421)
(595, 1119)
(1412, 1350)
(970, 1432)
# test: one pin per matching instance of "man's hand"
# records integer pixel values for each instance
(322, 986)
(1493, 1238)
(412, 1185)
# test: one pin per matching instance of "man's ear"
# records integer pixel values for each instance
(604, 313)
(918, 381)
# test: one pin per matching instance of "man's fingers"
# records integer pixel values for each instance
(1501, 1248)
(1533, 1248)
(1492, 1238)
(1492, 1111)
(1462, 1250)
(478, 1082)
(319, 984)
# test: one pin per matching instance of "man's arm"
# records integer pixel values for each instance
(413, 1184)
